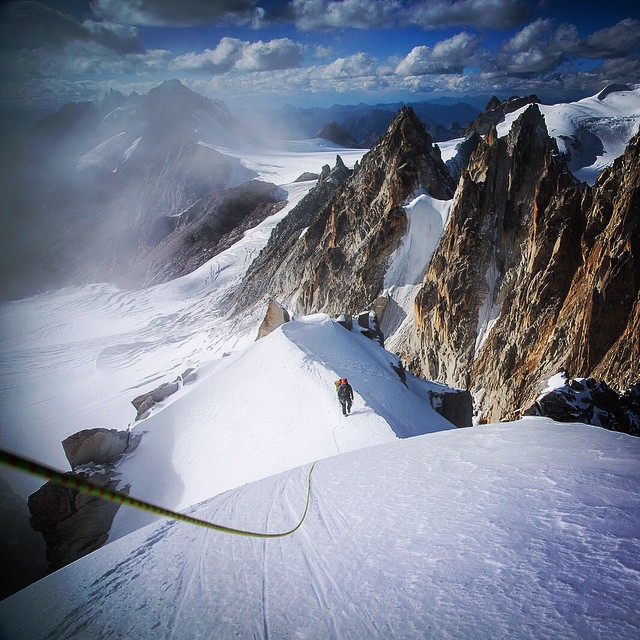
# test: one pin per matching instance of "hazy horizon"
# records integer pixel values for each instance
(268, 53)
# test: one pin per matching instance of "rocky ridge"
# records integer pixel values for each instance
(333, 257)
(535, 273)
(207, 227)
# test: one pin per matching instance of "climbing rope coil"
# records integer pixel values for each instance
(33, 468)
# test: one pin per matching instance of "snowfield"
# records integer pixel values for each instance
(271, 407)
(593, 131)
(518, 530)
(414, 530)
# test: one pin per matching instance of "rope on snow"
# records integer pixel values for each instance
(73, 482)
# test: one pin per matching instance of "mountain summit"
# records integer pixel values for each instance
(349, 239)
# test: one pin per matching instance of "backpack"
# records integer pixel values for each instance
(343, 392)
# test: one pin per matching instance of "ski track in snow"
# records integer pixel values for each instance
(521, 530)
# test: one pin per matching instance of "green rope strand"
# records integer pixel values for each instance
(73, 482)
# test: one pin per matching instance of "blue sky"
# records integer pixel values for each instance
(315, 52)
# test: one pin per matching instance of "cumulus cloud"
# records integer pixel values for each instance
(165, 13)
(358, 14)
(427, 14)
(619, 40)
(530, 36)
(355, 66)
(448, 56)
(232, 53)
(538, 48)
(32, 25)
(491, 14)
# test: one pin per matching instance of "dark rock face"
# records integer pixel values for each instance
(22, 550)
(334, 256)
(496, 110)
(307, 176)
(267, 274)
(534, 273)
(334, 132)
(454, 405)
(72, 523)
(208, 227)
(489, 221)
(593, 402)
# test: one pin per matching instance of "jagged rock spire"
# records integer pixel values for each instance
(338, 263)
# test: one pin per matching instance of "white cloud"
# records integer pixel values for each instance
(355, 66)
(448, 56)
(358, 14)
(529, 36)
(239, 55)
(427, 14)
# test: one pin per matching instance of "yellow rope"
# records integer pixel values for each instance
(73, 482)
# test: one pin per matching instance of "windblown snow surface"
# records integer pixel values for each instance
(518, 530)
(528, 529)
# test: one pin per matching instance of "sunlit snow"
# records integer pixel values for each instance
(593, 131)
(518, 530)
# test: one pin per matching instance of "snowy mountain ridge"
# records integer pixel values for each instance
(75, 358)
(521, 530)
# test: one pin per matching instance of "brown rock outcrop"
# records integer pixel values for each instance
(89, 445)
(471, 272)
(535, 273)
(276, 315)
(338, 262)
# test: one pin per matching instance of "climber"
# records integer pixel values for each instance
(345, 395)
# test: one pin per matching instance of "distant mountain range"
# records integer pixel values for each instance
(367, 123)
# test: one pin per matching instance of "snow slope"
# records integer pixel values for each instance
(427, 218)
(593, 131)
(517, 530)
(270, 407)
(75, 358)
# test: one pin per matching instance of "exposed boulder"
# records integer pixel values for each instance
(144, 402)
(95, 445)
(276, 315)
(72, 524)
(593, 402)
(366, 323)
